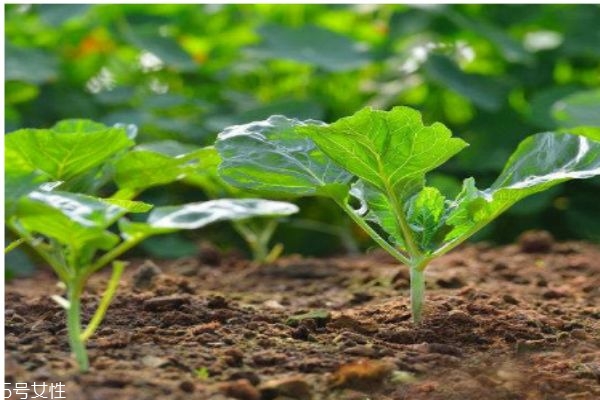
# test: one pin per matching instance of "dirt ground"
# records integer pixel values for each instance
(514, 322)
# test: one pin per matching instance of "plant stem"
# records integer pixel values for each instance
(74, 327)
(380, 241)
(109, 293)
(114, 253)
(13, 245)
(407, 233)
(257, 241)
(417, 293)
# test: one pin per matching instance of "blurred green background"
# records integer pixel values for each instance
(493, 73)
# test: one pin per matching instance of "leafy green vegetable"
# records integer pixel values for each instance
(381, 158)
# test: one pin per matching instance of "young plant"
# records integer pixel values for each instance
(379, 159)
(170, 161)
(73, 232)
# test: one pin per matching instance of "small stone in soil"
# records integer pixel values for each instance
(217, 302)
(187, 386)
(450, 283)
(293, 387)
(250, 376)
(165, 303)
(360, 297)
(241, 389)
(144, 276)
(209, 254)
(233, 357)
(154, 362)
(510, 299)
(579, 334)
(536, 242)
(552, 294)
(362, 375)
(461, 318)
(301, 333)
(348, 322)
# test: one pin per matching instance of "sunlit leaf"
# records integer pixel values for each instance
(540, 162)
(69, 149)
(391, 150)
(141, 169)
(269, 156)
(72, 219)
(197, 215)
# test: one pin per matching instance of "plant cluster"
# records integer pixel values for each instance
(53, 178)
(186, 71)
(372, 164)
(378, 160)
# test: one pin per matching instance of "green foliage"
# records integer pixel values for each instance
(184, 72)
(385, 156)
(65, 151)
(295, 166)
(73, 229)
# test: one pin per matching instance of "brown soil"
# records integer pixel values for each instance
(516, 322)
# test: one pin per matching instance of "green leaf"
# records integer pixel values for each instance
(206, 176)
(540, 162)
(85, 210)
(17, 185)
(391, 150)
(312, 45)
(271, 157)
(129, 205)
(483, 90)
(376, 207)
(542, 102)
(58, 14)
(591, 132)
(511, 49)
(425, 213)
(298, 109)
(29, 65)
(171, 148)
(166, 49)
(581, 108)
(71, 219)
(130, 230)
(197, 215)
(65, 151)
(20, 92)
(142, 169)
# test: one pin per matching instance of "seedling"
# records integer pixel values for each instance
(200, 171)
(72, 231)
(379, 160)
